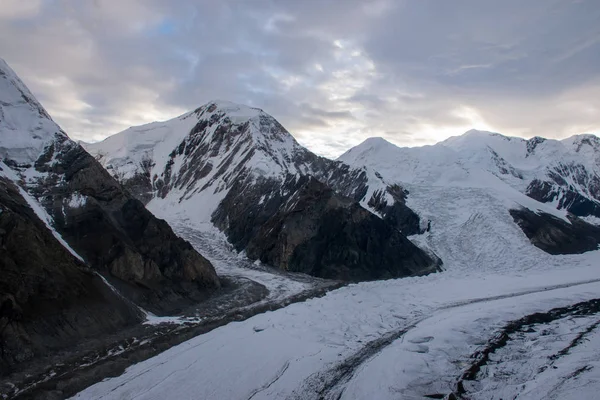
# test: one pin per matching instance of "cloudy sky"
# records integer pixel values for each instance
(334, 72)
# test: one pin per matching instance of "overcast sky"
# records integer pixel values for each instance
(332, 72)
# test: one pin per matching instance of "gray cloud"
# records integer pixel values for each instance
(333, 72)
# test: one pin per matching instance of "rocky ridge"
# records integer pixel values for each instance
(245, 169)
(103, 227)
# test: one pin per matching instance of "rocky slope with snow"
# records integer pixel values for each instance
(91, 215)
(491, 181)
(49, 298)
(564, 172)
(238, 168)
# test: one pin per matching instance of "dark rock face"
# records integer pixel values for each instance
(115, 233)
(568, 198)
(581, 200)
(321, 233)
(140, 185)
(556, 236)
(305, 226)
(48, 298)
(397, 214)
(250, 204)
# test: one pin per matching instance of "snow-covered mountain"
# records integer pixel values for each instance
(565, 173)
(475, 187)
(63, 221)
(215, 147)
(238, 168)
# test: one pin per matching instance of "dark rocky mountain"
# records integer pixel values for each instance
(109, 228)
(154, 267)
(571, 186)
(239, 169)
(49, 299)
(555, 235)
(319, 232)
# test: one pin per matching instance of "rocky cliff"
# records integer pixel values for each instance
(49, 299)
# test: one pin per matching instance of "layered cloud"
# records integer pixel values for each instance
(333, 72)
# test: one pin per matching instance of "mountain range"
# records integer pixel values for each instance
(548, 188)
(236, 167)
(85, 228)
(239, 169)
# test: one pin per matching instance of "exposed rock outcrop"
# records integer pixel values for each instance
(571, 186)
(556, 236)
(48, 298)
(116, 234)
(398, 214)
(108, 227)
(321, 233)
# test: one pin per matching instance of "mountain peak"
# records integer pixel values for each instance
(376, 141)
(585, 143)
(25, 126)
(584, 138)
(10, 78)
(476, 133)
(233, 110)
(480, 133)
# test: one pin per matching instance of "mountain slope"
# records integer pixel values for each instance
(467, 185)
(105, 225)
(239, 169)
(49, 299)
(564, 172)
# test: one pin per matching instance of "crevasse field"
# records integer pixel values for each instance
(404, 338)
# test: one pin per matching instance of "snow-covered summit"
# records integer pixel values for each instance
(234, 110)
(201, 155)
(219, 127)
(467, 185)
(25, 126)
(206, 165)
(513, 160)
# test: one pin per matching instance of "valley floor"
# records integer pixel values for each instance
(248, 289)
(406, 338)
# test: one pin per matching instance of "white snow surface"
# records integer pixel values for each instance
(25, 127)
(493, 275)
(430, 357)
(276, 354)
(123, 152)
(458, 187)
